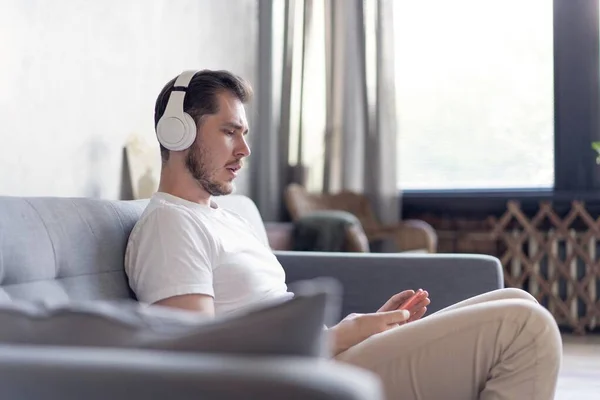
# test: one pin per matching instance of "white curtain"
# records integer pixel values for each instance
(333, 109)
(361, 114)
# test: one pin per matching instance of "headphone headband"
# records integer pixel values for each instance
(183, 80)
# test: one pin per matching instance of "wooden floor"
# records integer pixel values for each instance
(580, 374)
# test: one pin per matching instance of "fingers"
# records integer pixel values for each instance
(424, 302)
(393, 317)
(402, 296)
(423, 294)
(420, 308)
(396, 300)
(418, 314)
(392, 326)
(411, 303)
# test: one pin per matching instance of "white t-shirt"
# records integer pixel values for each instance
(179, 247)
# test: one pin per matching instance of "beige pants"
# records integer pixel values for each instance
(500, 345)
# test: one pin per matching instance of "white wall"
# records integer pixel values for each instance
(79, 77)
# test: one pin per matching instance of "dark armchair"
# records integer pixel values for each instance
(408, 235)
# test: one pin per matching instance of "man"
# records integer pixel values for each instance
(187, 253)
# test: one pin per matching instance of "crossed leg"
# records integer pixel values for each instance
(499, 345)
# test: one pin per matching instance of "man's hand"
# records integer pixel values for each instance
(357, 327)
(417, 309)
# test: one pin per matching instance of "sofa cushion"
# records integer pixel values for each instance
(292, 327)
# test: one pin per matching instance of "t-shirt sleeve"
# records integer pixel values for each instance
(171, 255)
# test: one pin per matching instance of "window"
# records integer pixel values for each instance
(475, 94)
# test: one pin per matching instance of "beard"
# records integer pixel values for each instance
(196, 164)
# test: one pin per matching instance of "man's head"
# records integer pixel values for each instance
(215, 101)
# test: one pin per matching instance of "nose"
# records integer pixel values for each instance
(243, 149)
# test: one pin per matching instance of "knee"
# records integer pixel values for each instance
(534, 334)
(514, 293)
(537, 322)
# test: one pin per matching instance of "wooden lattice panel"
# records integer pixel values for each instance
(555, 259)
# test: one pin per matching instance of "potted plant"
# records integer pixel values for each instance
(596, 147)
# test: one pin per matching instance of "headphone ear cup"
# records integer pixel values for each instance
(176, 133)
(190, 134)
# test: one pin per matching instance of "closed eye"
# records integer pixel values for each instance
(231, 128)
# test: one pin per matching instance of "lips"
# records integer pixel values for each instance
(234, 168)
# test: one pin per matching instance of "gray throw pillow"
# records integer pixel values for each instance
(292, 327)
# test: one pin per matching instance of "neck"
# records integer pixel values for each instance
(180, 183)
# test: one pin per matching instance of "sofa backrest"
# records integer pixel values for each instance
(58, 249)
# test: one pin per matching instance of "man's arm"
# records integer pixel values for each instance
(191, 302)
(170, 262)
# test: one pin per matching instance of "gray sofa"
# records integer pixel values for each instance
(69, 249)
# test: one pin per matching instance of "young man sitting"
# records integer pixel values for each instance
(187, 253)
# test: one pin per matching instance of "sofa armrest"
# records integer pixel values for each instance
(370, 279)
(53, 373)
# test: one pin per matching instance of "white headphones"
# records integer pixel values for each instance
(176, 130)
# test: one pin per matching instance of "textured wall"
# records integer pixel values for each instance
(78, 78)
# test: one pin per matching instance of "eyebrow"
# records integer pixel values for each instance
(236, 126)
